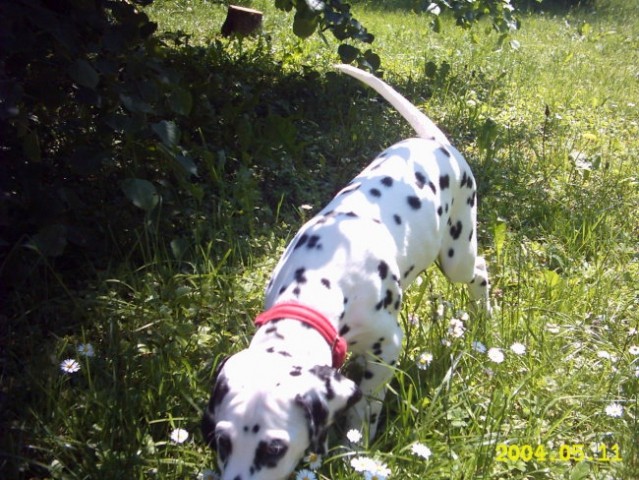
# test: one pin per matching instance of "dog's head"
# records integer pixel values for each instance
(265, 412)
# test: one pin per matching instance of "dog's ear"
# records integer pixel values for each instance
(220, 389)
(331, 394)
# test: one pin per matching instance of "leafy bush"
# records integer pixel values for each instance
(336, 17)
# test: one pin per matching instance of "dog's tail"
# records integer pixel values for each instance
(423, 125)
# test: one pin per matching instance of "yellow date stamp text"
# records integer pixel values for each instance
(575, 452)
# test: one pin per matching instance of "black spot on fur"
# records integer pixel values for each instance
(408, 272)
(382, 268)
(471, 200)
(387, 181)
(432, 186)
(282, 290)
(270, 350)
(344, 330)
(268, 454)
(368, 374)
(326, 282)
(386, 301)
(467, 180)
(219, 392)
(398, 219)
(455, 230)
(440, 211)
(414, 202)
(296, 372)
(445, 151)
(312, 241)
(420, 179)
(470, 237)
(451, 253)
(349, 188)
(303, 239)
(296, 291)
(299, 275)
(375, 192)
(285, 354)
(444, 182)
(256, 428)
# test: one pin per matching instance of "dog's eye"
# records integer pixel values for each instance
(268, 453)
(224, 447)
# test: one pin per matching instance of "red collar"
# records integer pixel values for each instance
(311, 317)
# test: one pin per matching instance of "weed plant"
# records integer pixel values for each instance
(547, 388)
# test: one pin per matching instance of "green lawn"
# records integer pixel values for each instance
(547, 388)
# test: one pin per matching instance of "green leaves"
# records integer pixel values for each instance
(335, 16)
(181, 101)
(168, 132)
(84, 74)
(141, 193)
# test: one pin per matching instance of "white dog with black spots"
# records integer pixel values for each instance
(339, 284)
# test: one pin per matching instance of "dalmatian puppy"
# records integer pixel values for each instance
(339, 284)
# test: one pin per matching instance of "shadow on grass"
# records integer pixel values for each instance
(263, 143)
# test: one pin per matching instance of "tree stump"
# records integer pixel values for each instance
(241, 21)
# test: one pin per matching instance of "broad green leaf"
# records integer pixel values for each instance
(181, 101)
(580, 471)
(372, 60)
(142, 193)
(179, 247)
(304, 25)
(347, 53)
(187, 163)
(168, 132)
(31, 147)
(50, 241)
(84, 74)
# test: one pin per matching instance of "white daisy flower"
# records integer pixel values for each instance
(552, 327)
(634, 350)
(305, 475)
(379, 472)
(363, 464)
(603, 354)
(614, 410)
(424, 360)
(354, 436)
(179, 435)
(421, 450)
(314, 460)
(456, 328)
(496, 355)
(70, 366)
(86, 350)
(478, 346)
(518, 348)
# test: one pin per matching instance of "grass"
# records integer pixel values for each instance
(551, 132)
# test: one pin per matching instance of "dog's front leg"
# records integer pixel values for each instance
(377, 370)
